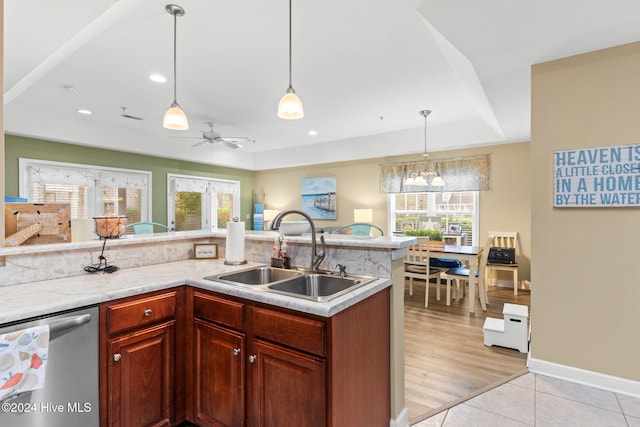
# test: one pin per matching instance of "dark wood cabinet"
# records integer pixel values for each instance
(223, 361)
(140, 377)
(298, 369)
(218, 376)
(234, 363)
(217, 384)
(138, 357)
(287, 387)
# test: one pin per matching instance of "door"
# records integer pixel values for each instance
(219, 376)
(141, 377)
(287, 388)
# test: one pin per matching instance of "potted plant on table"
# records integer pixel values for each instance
(431, 234)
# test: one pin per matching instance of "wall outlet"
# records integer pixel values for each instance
(109, 255)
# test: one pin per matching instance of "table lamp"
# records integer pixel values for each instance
(364, 216)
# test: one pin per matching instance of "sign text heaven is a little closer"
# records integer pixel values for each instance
(597, 177)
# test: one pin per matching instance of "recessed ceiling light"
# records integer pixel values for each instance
(158, 78)
(84, 111)
(313, 132)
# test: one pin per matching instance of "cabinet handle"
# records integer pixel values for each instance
(252, 358)
(116, 357)
(148, 312)
(236, 351)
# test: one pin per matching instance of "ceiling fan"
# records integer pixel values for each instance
(213, 137)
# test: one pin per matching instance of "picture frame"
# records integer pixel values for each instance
(319, 197)
(205, 251)
(454, 229)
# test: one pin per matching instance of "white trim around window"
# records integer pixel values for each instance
(208, 188)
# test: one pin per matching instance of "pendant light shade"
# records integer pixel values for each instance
(175, 118)
(290, 106)
(437, 181)
(420, 181)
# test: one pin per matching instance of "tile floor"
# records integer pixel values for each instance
(538, 400)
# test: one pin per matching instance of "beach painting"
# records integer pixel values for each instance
(319, 197)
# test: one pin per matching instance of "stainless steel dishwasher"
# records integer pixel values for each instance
(70, 396)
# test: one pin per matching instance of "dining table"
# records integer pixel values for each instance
(468, 255)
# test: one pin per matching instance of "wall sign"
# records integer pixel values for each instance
(597, 177)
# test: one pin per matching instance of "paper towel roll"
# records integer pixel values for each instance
(235, 243)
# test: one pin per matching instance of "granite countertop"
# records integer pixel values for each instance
(331, 240)
(23, 301)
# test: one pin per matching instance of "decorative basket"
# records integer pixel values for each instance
(110, 226)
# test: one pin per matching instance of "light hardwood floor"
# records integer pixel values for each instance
(446, 360)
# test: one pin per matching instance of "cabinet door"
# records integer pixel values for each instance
(140, 377)
(219, 376)
(286, 387)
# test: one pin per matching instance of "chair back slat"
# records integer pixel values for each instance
(504, 239)
(419, 253)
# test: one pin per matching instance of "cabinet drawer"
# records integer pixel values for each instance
(140, 312)
(297, 332)
(218, 310)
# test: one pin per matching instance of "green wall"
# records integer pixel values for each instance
(19, 147)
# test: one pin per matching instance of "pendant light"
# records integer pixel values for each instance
(290, 106)
(418, 179)
(437, 180)
(175, 118)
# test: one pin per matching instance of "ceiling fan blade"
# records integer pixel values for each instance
(185, 137)
(236, 139)
(229, 144)
(202, 141)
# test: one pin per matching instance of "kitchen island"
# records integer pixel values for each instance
(162, 261)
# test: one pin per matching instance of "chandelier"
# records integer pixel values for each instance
(424, 178)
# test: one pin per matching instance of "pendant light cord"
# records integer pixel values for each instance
(425, 113)
(425, 134)
(175, 78)
(290, 84)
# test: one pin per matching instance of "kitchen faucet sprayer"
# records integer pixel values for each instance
(316, 257)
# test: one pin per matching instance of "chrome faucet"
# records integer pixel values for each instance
(316, 257)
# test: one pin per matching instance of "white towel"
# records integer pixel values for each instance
(23, 359)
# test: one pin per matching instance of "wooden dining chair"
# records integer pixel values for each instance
(416, 266)
(463, 276)
(503, 239)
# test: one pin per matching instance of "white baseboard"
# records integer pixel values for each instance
(501, 283)
(402, 420)
(582, 376)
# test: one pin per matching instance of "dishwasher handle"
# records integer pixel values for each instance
(60, 328)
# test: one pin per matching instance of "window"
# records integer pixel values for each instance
(415, 211)
(89, 190)
(197, 203)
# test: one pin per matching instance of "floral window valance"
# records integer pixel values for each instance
(459, 174)
(183, 183)
(59, 173)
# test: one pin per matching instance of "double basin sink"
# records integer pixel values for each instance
(316, 286)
